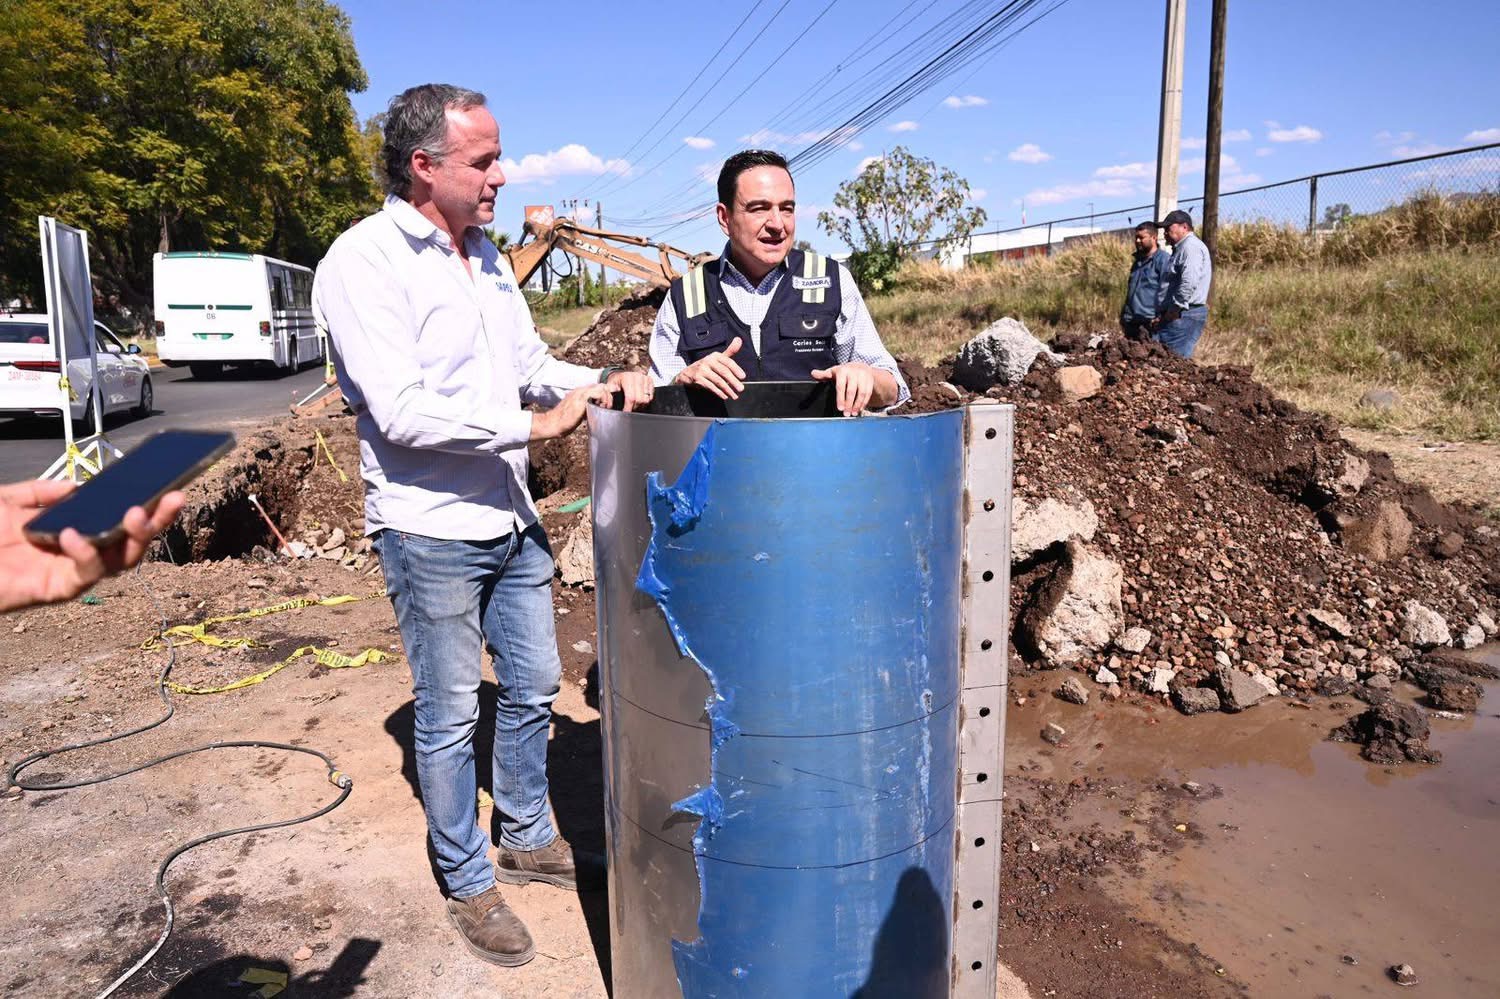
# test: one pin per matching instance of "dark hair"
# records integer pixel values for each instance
(747, 159)
(417, 119)
(1151, 226)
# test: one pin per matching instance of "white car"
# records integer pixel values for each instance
(29, 373)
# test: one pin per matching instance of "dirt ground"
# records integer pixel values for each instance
(354, 888)
(1455, 472)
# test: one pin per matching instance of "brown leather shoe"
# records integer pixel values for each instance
(557, 863)
(491, 930)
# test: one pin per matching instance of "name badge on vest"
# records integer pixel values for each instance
(801, 283)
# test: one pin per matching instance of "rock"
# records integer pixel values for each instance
(1077, 609)
(1167, 431)
(1073, 691)
(1422, 627)
(1380, 681)
(1036, 527)
(1391, 733)
(1332, 621)
(1402, 974)
(1238, 690)
(1382, 399)
(1447, 688)
(1054, 733)
(1448, 545)
(1472, 637)
(575, 563)
(1195, 700)
(333, 553)
(1486, 624)
(1134, 640)
(256, 584)
(335, 539)
(1380, 537)
(587, 648)
(1001, 354)
(1159, 680)
(300, 550)
(303, 953)
(1106, 676)
(1268, 684)
(1078, 382)
(1356, 472)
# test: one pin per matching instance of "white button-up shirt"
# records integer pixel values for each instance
(436, 365)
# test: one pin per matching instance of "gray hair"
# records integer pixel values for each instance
(417, 119)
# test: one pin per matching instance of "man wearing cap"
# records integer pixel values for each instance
(1185, 307)
(764, 311)
(1147, 287)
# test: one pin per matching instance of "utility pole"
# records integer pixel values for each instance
(599, 224)
(1169, 134)
(1215, 131)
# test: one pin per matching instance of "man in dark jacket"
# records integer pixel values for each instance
(1148, 284)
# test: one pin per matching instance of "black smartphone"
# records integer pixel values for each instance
(161, 463)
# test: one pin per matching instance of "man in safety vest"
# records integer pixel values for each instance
(764, 311)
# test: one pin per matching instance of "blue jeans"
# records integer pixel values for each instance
(453, 599)
(1181, 335)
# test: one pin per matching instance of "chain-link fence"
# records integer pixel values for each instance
(1317, 202)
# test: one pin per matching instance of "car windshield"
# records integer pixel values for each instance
(24, 333)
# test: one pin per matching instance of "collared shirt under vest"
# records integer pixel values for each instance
(796, 335)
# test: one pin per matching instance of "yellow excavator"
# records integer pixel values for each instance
(591, 245)
(586, 244)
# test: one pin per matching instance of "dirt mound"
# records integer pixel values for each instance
(1228, 510)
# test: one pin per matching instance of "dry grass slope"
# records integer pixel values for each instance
(1406, 299)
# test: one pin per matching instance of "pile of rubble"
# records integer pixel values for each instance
(1181, 531)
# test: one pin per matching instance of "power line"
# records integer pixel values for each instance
(683, 93)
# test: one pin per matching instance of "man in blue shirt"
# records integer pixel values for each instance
(1146, 291)
(1184, 312)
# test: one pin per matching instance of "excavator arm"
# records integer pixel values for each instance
(592, 245)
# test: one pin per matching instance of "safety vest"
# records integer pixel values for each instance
(797, 335)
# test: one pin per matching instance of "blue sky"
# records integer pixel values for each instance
(1062, 116)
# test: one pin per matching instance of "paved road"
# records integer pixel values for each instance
(234, 402)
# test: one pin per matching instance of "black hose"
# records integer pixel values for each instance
(338, 778)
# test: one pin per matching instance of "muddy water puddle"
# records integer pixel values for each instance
(1313, 871)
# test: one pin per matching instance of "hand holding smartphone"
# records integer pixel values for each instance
(57, 541)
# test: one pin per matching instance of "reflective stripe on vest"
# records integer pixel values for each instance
(814, 265)
(694, 297)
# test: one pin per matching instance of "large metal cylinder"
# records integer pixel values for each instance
(780, 605)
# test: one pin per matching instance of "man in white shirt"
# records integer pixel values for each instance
(436, 352)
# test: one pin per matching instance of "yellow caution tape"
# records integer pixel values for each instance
(326, 451)
(67, 387)
(325, 657)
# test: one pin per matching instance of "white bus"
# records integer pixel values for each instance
(217, 309)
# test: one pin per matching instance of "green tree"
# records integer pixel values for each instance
(897, 202)
(1336, 215)
(177, 124)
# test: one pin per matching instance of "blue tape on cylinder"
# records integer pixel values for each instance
(811, 570)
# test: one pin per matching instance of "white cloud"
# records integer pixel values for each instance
(1133, 171)
(966, 101)
(1483, 135)
(977, 194)
(1264, 151)
(1196, 164)
(1029, 152)
(1237, 135)
(1194, 142)
(569, 161)
(903, 126)
(1420, 149)
(1386, 137)
(697, 142)
(1240, 180)
(1114, 187)
(855, 146)
(1302, 133)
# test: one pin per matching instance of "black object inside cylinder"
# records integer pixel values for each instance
(759, 401)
